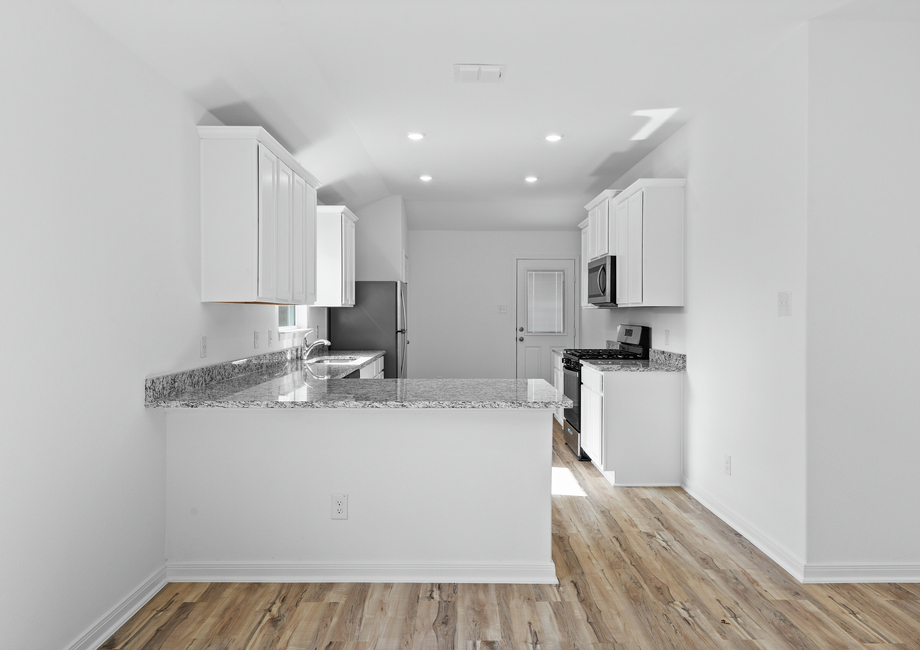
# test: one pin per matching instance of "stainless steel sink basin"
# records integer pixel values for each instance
(340, 359)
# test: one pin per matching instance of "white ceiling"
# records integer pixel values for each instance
(341, 82)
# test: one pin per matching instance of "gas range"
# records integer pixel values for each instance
(602, 354)
(633, 343)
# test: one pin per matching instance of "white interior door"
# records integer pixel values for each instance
(545, 314)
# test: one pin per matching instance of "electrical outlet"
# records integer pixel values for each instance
(728, 465)
(203, 352)
(255, 340)
(502, 309)
(339, 506)
(667, 337)
(784, 300)
(270, 337)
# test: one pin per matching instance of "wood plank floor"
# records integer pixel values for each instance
(638, 568)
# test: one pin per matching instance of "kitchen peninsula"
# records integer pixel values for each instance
(447, 480)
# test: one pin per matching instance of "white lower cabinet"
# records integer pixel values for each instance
(592, 414)
(373, 370)
(631, 425)
(559, 385)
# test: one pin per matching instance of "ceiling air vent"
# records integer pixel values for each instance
(479, 72)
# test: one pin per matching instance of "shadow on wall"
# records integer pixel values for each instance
(618, 163)
(264, 112)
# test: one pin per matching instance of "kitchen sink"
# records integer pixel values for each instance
(333, 360)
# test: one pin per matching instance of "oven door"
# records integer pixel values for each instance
(572, 389)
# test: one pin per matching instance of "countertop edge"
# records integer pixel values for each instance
(184, 405)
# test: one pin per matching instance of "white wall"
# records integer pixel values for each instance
(745, 159)
(457, 280)
(100, 267)
(863, 284)
(380, 240)
(801, 177)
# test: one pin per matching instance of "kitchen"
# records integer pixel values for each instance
(820, 479)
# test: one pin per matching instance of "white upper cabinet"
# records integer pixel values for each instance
(585, 256)
(303, 228)
(649, 243)
(258, 219)
(600, 232)
(335, 256)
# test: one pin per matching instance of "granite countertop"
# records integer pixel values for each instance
(659, 361)
(629, 366)
(285, 382)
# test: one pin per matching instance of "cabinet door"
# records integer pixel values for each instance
(310, 244)
(634, 250)
(622, 225)
(592, 233)
(299, 250)
(303, 235)
(558, 384)
(348, 255)
(591, 424)
(583, 278)
(283, 234)
(268, 225)
(602, 234)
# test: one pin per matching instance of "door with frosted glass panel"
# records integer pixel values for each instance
(545, 314)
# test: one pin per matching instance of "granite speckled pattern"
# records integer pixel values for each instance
(271, 364)
(162, 386)
(659, 361)
(292, 386)
(665, 358)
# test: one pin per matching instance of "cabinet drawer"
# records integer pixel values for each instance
(592, 379)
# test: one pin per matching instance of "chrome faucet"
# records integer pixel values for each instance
(306, 348)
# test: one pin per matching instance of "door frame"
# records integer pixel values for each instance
(576, 296)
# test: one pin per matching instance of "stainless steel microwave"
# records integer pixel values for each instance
(602, 281)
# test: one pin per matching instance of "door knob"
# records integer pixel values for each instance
(520, 329)
(520, 338)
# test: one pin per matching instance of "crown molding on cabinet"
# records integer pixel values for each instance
(263, 136)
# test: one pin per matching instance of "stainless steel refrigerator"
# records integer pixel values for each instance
(376, 322)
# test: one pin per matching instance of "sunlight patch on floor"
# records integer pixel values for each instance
(565, 483)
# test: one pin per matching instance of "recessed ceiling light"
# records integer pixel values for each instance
(415, 135)
(531, 179)
(553, 137)
(424, 177)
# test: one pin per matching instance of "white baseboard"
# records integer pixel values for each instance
(806, 572)
(322, 572)
(776, 552)
(99, 632)
(877, 572)
(611, 478)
